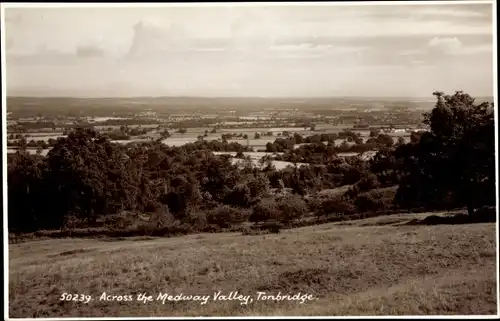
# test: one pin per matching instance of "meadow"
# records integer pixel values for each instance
(378, 266)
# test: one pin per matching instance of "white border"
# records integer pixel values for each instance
(4, 167)
(495, 99)
(437, 317)
(240, 4)
(237, 4)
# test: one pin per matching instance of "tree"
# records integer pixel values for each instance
(259, 186)
(165, 134)
(271, 148)
(28, 199)
(298, 138)
(291, 207)
(91, 176)
(184, 197)
(415, 136)
(240, 196)
(265, 210)
(23, 144)
(344, 147)
(454, 161)
(384, 140)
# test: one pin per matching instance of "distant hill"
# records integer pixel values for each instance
(236, 103)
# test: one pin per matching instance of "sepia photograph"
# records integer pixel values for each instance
(267, 159)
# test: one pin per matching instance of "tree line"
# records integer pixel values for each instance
(87, 179)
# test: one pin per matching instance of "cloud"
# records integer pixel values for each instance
(412, 52)
(453, 46)
(300, 47)
(445, 45)
(146, 38)
(408, 24)
(205, 51)
(486, 48)
(211, 43)
(455, 12)
(150, 38)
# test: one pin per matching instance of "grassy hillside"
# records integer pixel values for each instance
(376, 266)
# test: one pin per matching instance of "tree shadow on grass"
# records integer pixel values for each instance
(486, 216)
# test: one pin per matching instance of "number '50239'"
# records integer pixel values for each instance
(75, 297)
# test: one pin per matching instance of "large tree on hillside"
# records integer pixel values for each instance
(89, 175)
(454, 162)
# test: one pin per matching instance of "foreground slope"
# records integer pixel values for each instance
(377, 266)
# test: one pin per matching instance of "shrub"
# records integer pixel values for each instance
(266, 209)
(70, 222)
(252, 231)
(367, 202)
(335, 205)
(376, 200)
(291, 207)
(272, 227)
(197, 220)
(246, 230)
(120, 220)
(368, 182)
(386, 195)
(225, 216)
(162, 217)
(313, 202)
(352, 192)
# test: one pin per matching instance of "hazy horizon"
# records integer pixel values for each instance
(296, 52)
(236, 97)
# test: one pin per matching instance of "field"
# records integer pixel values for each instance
(191, 136)
(376, 266)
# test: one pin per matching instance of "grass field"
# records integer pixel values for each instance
(376, 266)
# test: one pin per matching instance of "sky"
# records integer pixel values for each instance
(322, 50)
